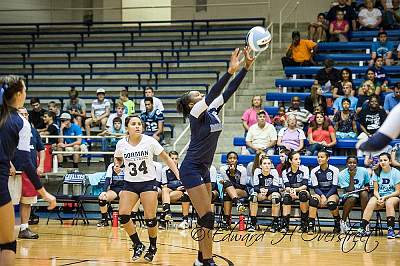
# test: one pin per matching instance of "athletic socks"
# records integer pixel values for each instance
(253, 220)
(23, 227)
(200, 256)
(104, 216)
(153, 241)
(390, 221)
(135, 239)
(364, 224)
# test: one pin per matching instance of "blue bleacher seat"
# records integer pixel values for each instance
(273, 110)
(293, 83)
(312, 70)
(343, 57)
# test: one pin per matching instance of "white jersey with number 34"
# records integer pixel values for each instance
(138, 160)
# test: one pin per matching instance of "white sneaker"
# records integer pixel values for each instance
(344, 227)
(183, 225)
(197, 263)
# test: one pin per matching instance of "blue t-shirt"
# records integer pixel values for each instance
(361, 178)
(151, 120)
(387, 181)
(390, 102)
(337, 104)
(382, 49)
(73, 130)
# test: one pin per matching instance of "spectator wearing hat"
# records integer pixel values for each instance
(69, 144)
(261, 137)
(157, 103)
(100, 112)
(300, 52)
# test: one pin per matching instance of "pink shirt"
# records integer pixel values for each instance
(250, 116)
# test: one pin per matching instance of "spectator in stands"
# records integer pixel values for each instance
(349, 14)
(392, 99)
(390, 17)
(381, 76)
(367, 89)
(300, 52)
(321, 135)
(328, 76)
(69, 144)
(249, 116)
(261, 136)
(345, 121)
(100, 112)
(315, 99)
(383, 48)
(371, 118)
(119, 108)
(386, 180)
(157, 103)
(129, 104)
(317, 110)
(279, 120)
(283, 154)
(51, 128)
(54, 107)
(117, 130)
(36, 114)
(345, 76)
(76, 107)
(339, 28)
(317, 30)
(347, 90)
(369, 17)
(395, 155)
(153, 120)
(302, 115)
(291, 137)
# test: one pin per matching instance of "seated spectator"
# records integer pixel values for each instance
(369, 17)
(383, 48)
(300, 52)
(392, 99)
(291, 137)
(371, 118)
(108, 144)
(128, 104)
(76, 107)
(36, 114)
(153, 120)
(339, 28)
(386, 195)
(321, 136)
(349, 14)
(328, 76)
(317, 30)
(69, 144)
(345, 76)
(158, 105)
(249, 116)
(368, 88)
(54, 107)
(381, 76)
(345, 121)
(347, 90)
(317, 110)
(315, 99)
(390, 17)
(51, 128)
(261, 136)
(119, 108)
(279, 121)
(100, 112)
(301, 114)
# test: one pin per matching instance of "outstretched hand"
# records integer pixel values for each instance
(234, 63)
(249, 60)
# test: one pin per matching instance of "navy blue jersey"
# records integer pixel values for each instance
(325, 181)
(238, 177)
(272, 182)
(151, 120)
(169, 178)
(114, 180)
(297, 179)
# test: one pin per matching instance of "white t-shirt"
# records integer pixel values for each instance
(138, 160)
(213, 174)
(158, 166)
(100, 108)
(111, 118)
(371, 17)
(260, 137)
(157, 104)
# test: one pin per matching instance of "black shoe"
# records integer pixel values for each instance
(303, 228)
(33, 219)
(225, 225)
(102, 223)
(138, 251)
(311, 229)
(162, 225)
(150, 253)
(336, 229)
(274, 227)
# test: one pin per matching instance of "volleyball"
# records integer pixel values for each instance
(258, 39)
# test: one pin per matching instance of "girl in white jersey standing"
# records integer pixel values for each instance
(137, 152)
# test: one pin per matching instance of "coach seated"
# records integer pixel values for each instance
(69, 144)
(261, 136)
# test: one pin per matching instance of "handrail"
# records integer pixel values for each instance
(178, 139)
(281, 21)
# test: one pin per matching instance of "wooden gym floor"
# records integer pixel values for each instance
(88, 245)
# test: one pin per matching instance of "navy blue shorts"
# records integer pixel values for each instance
(117, 190)
(194, 174)
(139, 187)
(4, 193)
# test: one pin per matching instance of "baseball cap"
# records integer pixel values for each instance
(65, 116)
(100, 90)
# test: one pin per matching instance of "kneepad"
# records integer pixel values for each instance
(331, 205)
(185, 198)
(151, 222)
(287, 199)
(207, 221)
(9, 246)
(314, 202)
(124, 218)
(276, 198)
(303, 196)
(227, 184)
(227, 197)
(102, 203)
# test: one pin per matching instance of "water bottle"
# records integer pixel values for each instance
(242, 224)
(115, 219)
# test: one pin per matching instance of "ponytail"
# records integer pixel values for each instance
(182, 105)
(289, 156)
(10, 85)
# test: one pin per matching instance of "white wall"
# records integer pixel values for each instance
(32, 16)
(147, 14)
